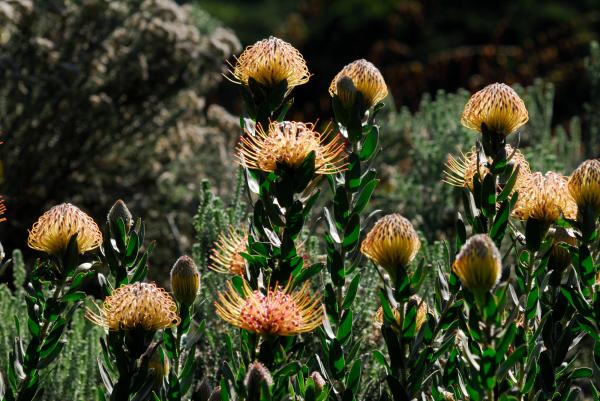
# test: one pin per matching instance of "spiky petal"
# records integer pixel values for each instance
(269, 62)
(288, 143)
(226, 255)
(138, 306)
(281, 312)
(544, 197)
(53, 230)
(498, 107)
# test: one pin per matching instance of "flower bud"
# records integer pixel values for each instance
(392, 243)
(497, 107)
(159, 365)
(559, 256)
(361, 77)
(478, 265)
(584, 186)
(185, 280)
(257, 374)
(319, 381)
(119, 211)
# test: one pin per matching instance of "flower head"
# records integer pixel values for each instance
(478, 265)
(2, 209)
(420, 318)
(185, 280)
(392, 242)
(359, 76)
(498, 107)
(118, 211)
(584, 185)
(138, 306)
(288, 143)
(269, 62)
(280, 312)
(226, 255)
(54, 229)
(256, 375)
(544, 198)
(461, 171)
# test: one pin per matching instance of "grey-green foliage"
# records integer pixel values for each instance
(417, 146)
(74, 376)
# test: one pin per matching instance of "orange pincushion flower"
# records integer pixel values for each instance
(461, 171)
(392, 242)
(226, 255)
(269, 62)
(53, 230)
(544, 198)
(288, 143)
(498, 107)
(359, 76)
(478, 265)
(137, 306)
(280, 312)
(2, 209)
(584, 185)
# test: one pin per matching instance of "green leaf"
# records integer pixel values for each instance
(345, 328)
(352, 290)
(352, 233)
(500, 223)
(515, 357)
(369, 144)
(353, 378)
(337, 362)
(488, 193)
(353, 172)
(306, 273)
(74, 296)
(510, 184)
(365, 195)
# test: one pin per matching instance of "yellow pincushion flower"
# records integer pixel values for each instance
(478, 265)
(226, 255)
(461, 171)
(359, 76)
(584, 185)
(543, 198)
(138, 306)
(288, 143)
(391, 243)
(53, 230)
(185, 280)
(269, 62)
(498, 107)
(280, 312)
(420, 318)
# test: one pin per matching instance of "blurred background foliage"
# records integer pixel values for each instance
(102, 100)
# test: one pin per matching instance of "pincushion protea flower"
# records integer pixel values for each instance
(584, 185)
(543, 198)
(288, 143)
(280, 312)
(478, 265)
(420, 318)
(226, 255)
(461, 171)
(2, 209)
(359, 76)
(391, 243)
(53, 230)
(498, 107)
(269, 62)
(138, 306)
(185, 280)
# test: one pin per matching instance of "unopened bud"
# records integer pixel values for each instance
(257, 374)
(158, 366)
(185, 280)
(319, 381)
(119, 211)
